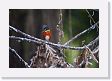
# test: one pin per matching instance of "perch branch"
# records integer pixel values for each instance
(45, 42)
(78, 35)
(40, 41)
(25, 63)
(53, 44)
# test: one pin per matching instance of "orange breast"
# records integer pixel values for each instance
(46, 33)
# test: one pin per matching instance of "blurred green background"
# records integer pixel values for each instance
(74, 22)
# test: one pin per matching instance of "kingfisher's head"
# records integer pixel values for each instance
(45, 27)
(46, 32)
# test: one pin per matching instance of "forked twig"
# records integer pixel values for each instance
(91, 17)
(78, 35)
(25, 63)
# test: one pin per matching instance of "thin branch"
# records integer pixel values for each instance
(25, 63)
(53, 44)
(46, 42)
(91, 17)
(78, 35)
(24, 34)
(96, 50)
(24, 39)
(93, 42)
(92, 55)
(40, 41)
(60, 17)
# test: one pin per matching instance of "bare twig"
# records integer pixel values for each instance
(60, 17)
(91, 17)
(78, 35)
(93, 42)
(83, 60)
(24, 39)
(24, 34)
(40, 41)
(53, 44)
(59, 26)
(25, 63)
(46, 42)
(92, 55)
(95, 50)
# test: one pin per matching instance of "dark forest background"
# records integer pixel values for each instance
(30, 21)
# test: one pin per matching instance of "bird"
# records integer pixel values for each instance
(46, 35)
(46, 32)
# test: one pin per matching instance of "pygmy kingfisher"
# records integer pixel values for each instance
(46, 32)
